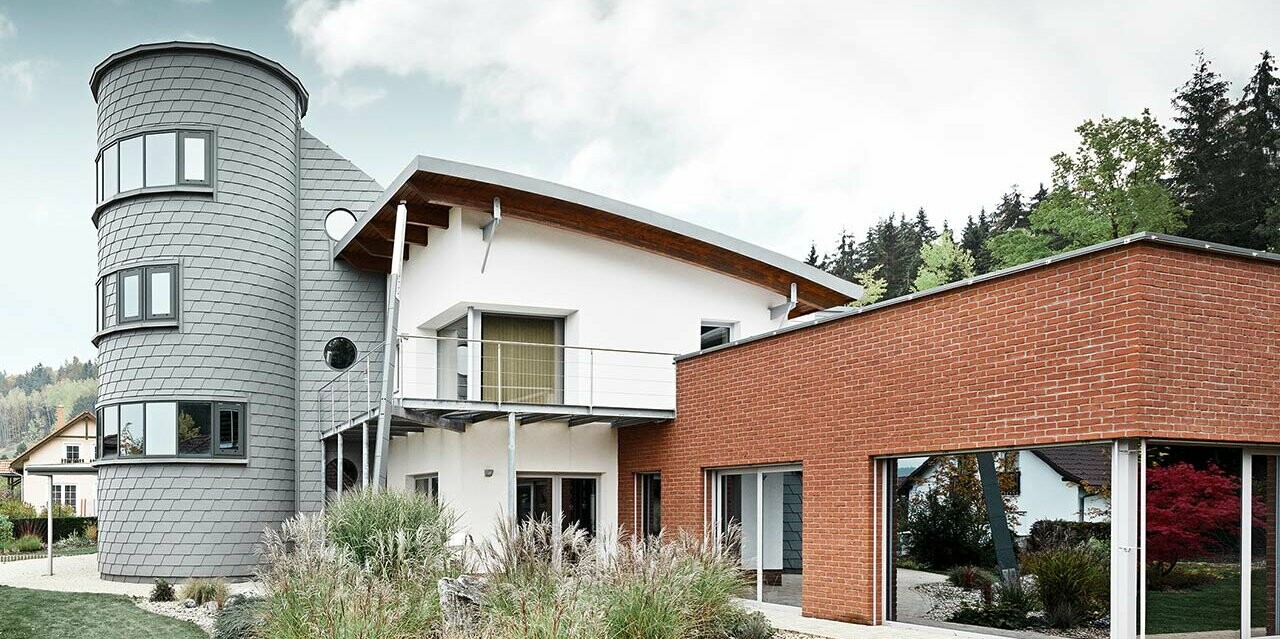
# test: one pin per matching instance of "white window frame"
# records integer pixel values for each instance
(66, 453)
(434, 496)
(715, 478)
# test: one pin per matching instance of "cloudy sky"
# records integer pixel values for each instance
(778, 122)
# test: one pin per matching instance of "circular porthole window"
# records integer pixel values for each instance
(337, 223)
(340, 353)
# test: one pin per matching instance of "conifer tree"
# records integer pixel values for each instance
(974, 238)
(1011, 213)
(1201, 167)
(1255, 157)
(812, 258)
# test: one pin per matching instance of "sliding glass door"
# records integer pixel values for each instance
(759, 512)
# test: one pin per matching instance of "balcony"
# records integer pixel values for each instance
(449, 382)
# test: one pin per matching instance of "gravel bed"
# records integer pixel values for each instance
(203, 616)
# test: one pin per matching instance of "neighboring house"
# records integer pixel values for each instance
(11, 478)
(71, 441)
(557, 353)
(242, 310)
(1068, 483)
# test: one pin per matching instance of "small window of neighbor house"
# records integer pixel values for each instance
(72, 454)
(716, 334)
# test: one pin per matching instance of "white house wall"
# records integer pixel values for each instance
(35, 488)
(543, 448)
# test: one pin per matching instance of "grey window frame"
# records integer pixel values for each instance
(241, 409)
(180, 180)
(183, 136)
(433, 481)
(216, 427)
(145, 294)
(142, 295)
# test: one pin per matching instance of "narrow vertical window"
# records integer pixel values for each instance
(194, 155)
(110, 171)
(109, 426)
(130, 295)
(195, 430)
(229, 430)
(160, 292)
(130, 164)
(132, 435)
(161, 428)
(162, 159)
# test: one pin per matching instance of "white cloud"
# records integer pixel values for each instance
(6, 27)
(21, 76)
(784, 121)
(349, 96)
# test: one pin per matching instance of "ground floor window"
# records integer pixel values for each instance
(759, 512)
(1009, 539)
(64, 495)
(1126, 538)
(572, 500)
(428, 486)
(649, 489)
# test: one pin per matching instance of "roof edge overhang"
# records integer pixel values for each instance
(20, 460)
(206, 48)
(819, 290)
(1145, 237)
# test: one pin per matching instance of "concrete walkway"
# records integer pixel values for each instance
(789, 619)
(77, 574)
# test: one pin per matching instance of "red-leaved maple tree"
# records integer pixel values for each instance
(1190, 511)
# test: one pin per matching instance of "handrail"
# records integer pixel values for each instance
(600, 349)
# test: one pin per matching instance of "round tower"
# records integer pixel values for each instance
(197, 177)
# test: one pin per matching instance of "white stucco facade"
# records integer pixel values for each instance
(605, 296)
(80, 433)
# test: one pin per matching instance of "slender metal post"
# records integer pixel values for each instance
(511, 469)
(389, 352)
(591, 379)
(339, 482)
(499, 373)
(1246, 543)
(759, 537)
(49, 535)
(364, 427)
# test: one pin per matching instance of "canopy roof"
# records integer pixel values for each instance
(431, 186)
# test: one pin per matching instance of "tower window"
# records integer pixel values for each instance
(154, 160)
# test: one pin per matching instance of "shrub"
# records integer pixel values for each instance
(970, 577)
(241, 618)
(367, 567)
(1048, 534)
(205, 590)
(1182, 577)
(1073, 583)
(29, 543)
(946, 530)
(1003, 605)
(72, 541)
(361, 521)
(750, 625)
(17, 509)
(162, 591)
(6, 531)
(91, 533)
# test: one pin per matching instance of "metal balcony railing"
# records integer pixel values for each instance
(496, 373)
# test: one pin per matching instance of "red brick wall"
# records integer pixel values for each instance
(1140, 340)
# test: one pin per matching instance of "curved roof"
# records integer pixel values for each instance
(206, 48)
(431, 185)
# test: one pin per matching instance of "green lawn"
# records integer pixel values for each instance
(41, 614)
(1212, 607)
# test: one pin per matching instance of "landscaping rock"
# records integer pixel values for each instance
(460, 601)
(189, 603)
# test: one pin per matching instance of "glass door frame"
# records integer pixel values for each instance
(1246, 529)
(715, 478)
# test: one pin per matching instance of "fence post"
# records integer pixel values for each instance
(499, 372)
(591, 379)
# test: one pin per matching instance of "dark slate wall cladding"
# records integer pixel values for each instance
(336, 300)
(238, 286)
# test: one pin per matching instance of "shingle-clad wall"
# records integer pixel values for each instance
(237, 339)
(1139, 340)
(336, 300)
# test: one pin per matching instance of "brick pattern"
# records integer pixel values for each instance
(239, 307)
(337, 300)
(1142, 340)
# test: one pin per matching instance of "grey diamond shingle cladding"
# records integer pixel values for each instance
(258, 294)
